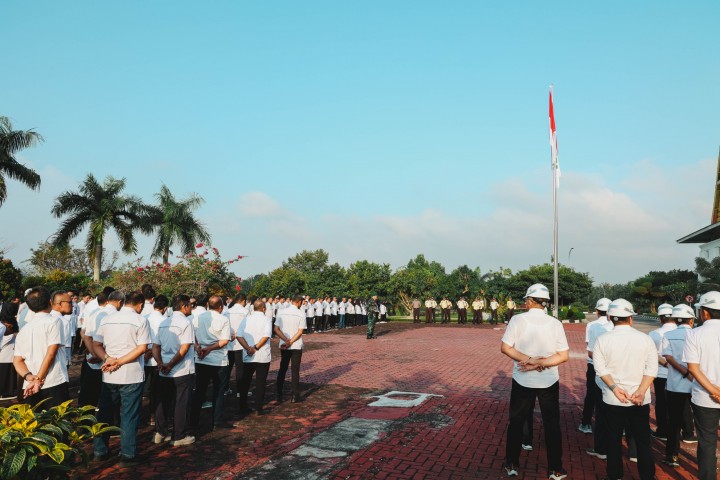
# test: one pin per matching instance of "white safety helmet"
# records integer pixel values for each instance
(538, 291)
(710, 300)
(665, 309)
(621, 308)
(27, 292)
(683, 311)
(603, 304)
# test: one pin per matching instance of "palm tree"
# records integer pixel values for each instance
(101, 207)
(11, 142)
(176, 223)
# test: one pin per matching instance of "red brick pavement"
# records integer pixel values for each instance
(460, 435)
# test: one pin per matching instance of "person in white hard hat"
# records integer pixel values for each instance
(668, 324)
(702, 355)
(626, 362)
(590, 386)
(537, 343)
(597, 328)
(679, 384)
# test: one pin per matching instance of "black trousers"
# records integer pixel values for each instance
(635, 420)
(477, 317)
(204, 374)
(152, 386)
(706, 426)
(90, 385)
(445, 315)
(661, 411)
(678, 405)
(493, 316)
(238, 355)
(333, 321)
(522, 402)
(319, 326)
(600, 432)
(292, 358)
(56, 395)
(309, 321)
(416, 315)
(462, 315)
(589, 403)
(509, 314)
(249, 369)
(175, 394)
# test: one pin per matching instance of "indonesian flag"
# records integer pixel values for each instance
(553, 142)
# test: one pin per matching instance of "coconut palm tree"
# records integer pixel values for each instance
(101, 207)
(176, 224)
(11, 142)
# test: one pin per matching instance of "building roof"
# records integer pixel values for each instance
(704, 235)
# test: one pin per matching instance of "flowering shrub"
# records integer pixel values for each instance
(200, 272)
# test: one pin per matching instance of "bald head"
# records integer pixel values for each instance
(215, 303)
(259, 305)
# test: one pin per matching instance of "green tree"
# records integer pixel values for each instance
(463, 281)
(366, 278)
(176, 224)
(12, 142)
(418, 279)
(573, 286)
(48, 257)
(10, 278)
(660, 286)
(101, 207)
(708, 273)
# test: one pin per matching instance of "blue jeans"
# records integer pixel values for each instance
(342, 320)
(130, 398)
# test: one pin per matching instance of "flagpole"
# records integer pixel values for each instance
(555, 166)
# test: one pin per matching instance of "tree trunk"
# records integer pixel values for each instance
(97, 262)
(166, 255)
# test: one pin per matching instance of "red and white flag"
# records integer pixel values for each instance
(553, 142)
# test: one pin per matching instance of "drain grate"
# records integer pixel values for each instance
(401, 399)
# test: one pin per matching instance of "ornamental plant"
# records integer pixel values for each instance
(46, 444)
(201, 272)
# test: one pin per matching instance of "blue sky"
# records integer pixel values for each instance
(380, 130)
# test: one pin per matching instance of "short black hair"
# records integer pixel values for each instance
(108, 290)
(201, 300)
(38, 299)
(161, 301)
(102, 299)
(134, 298)
(297, 298)
(148, 291)
(116, 295)
(56, 294)
(180, 301)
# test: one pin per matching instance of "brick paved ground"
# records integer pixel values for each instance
(459, 435)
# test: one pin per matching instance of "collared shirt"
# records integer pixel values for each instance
(25, 317)
(154, 319)
(478, 305)
(673, 344)
(254, 328)
(148, 308)
(326, 308)
(701, 347)
(67, 327)
(342, 308)
(383, 309)
(657, 336)
(236, 314)
(594, 330)
(430, 303)
(290, 321)
(351, 309)
(120, 333)
(510, 305)
(211, 327)
(445, 304)
(333, 308)
(91, 323)
(462, 304)
(318, 308)
(32, 344)
(171, 334)
(416, 303)
(627, 355)
(268, 309)
(310, 310)
(536, 334)
(494, 305)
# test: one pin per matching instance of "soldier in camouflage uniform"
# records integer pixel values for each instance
(372, 314)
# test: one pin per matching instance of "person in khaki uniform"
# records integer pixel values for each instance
(462, 306)
(430, 305)
(445, 306)
(509, 309)
(416, 310)
(478, 306)
(494, 305)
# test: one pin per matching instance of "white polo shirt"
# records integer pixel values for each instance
(25, 317)
(66, 323)
(154, 318)
(333, 308)
(32, 344)
(253, 328)
(673, 344)
(310, 310)
(594, 330)
(351, 309)
(627, 355)
(536, 334)
(702, 346)
(210, 327)
(342, 308)
(235, 315)
(120, 333)
(657, 336)
(91, 323)
(148, 308)
(289, 322)
(318, 309)
(172, 333)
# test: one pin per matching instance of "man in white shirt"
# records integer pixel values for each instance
(590, 386)
(462, 306)
(149, 293)
(342, 312)
(595, 329)
(158, 314)
(236, 313)
(478, 306)
(318, 315)
(254, 335)
(310, 315)
(626, 362)
(702, 355)
(537, 344)
(172, 352)
(212, 334)
(668, 324)
(121, 340)
(679, 383)
(334, 313)
(62, 309)
(79, 343)
(289, 327)
(90, 372)
(494, 305)
(39, 358)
